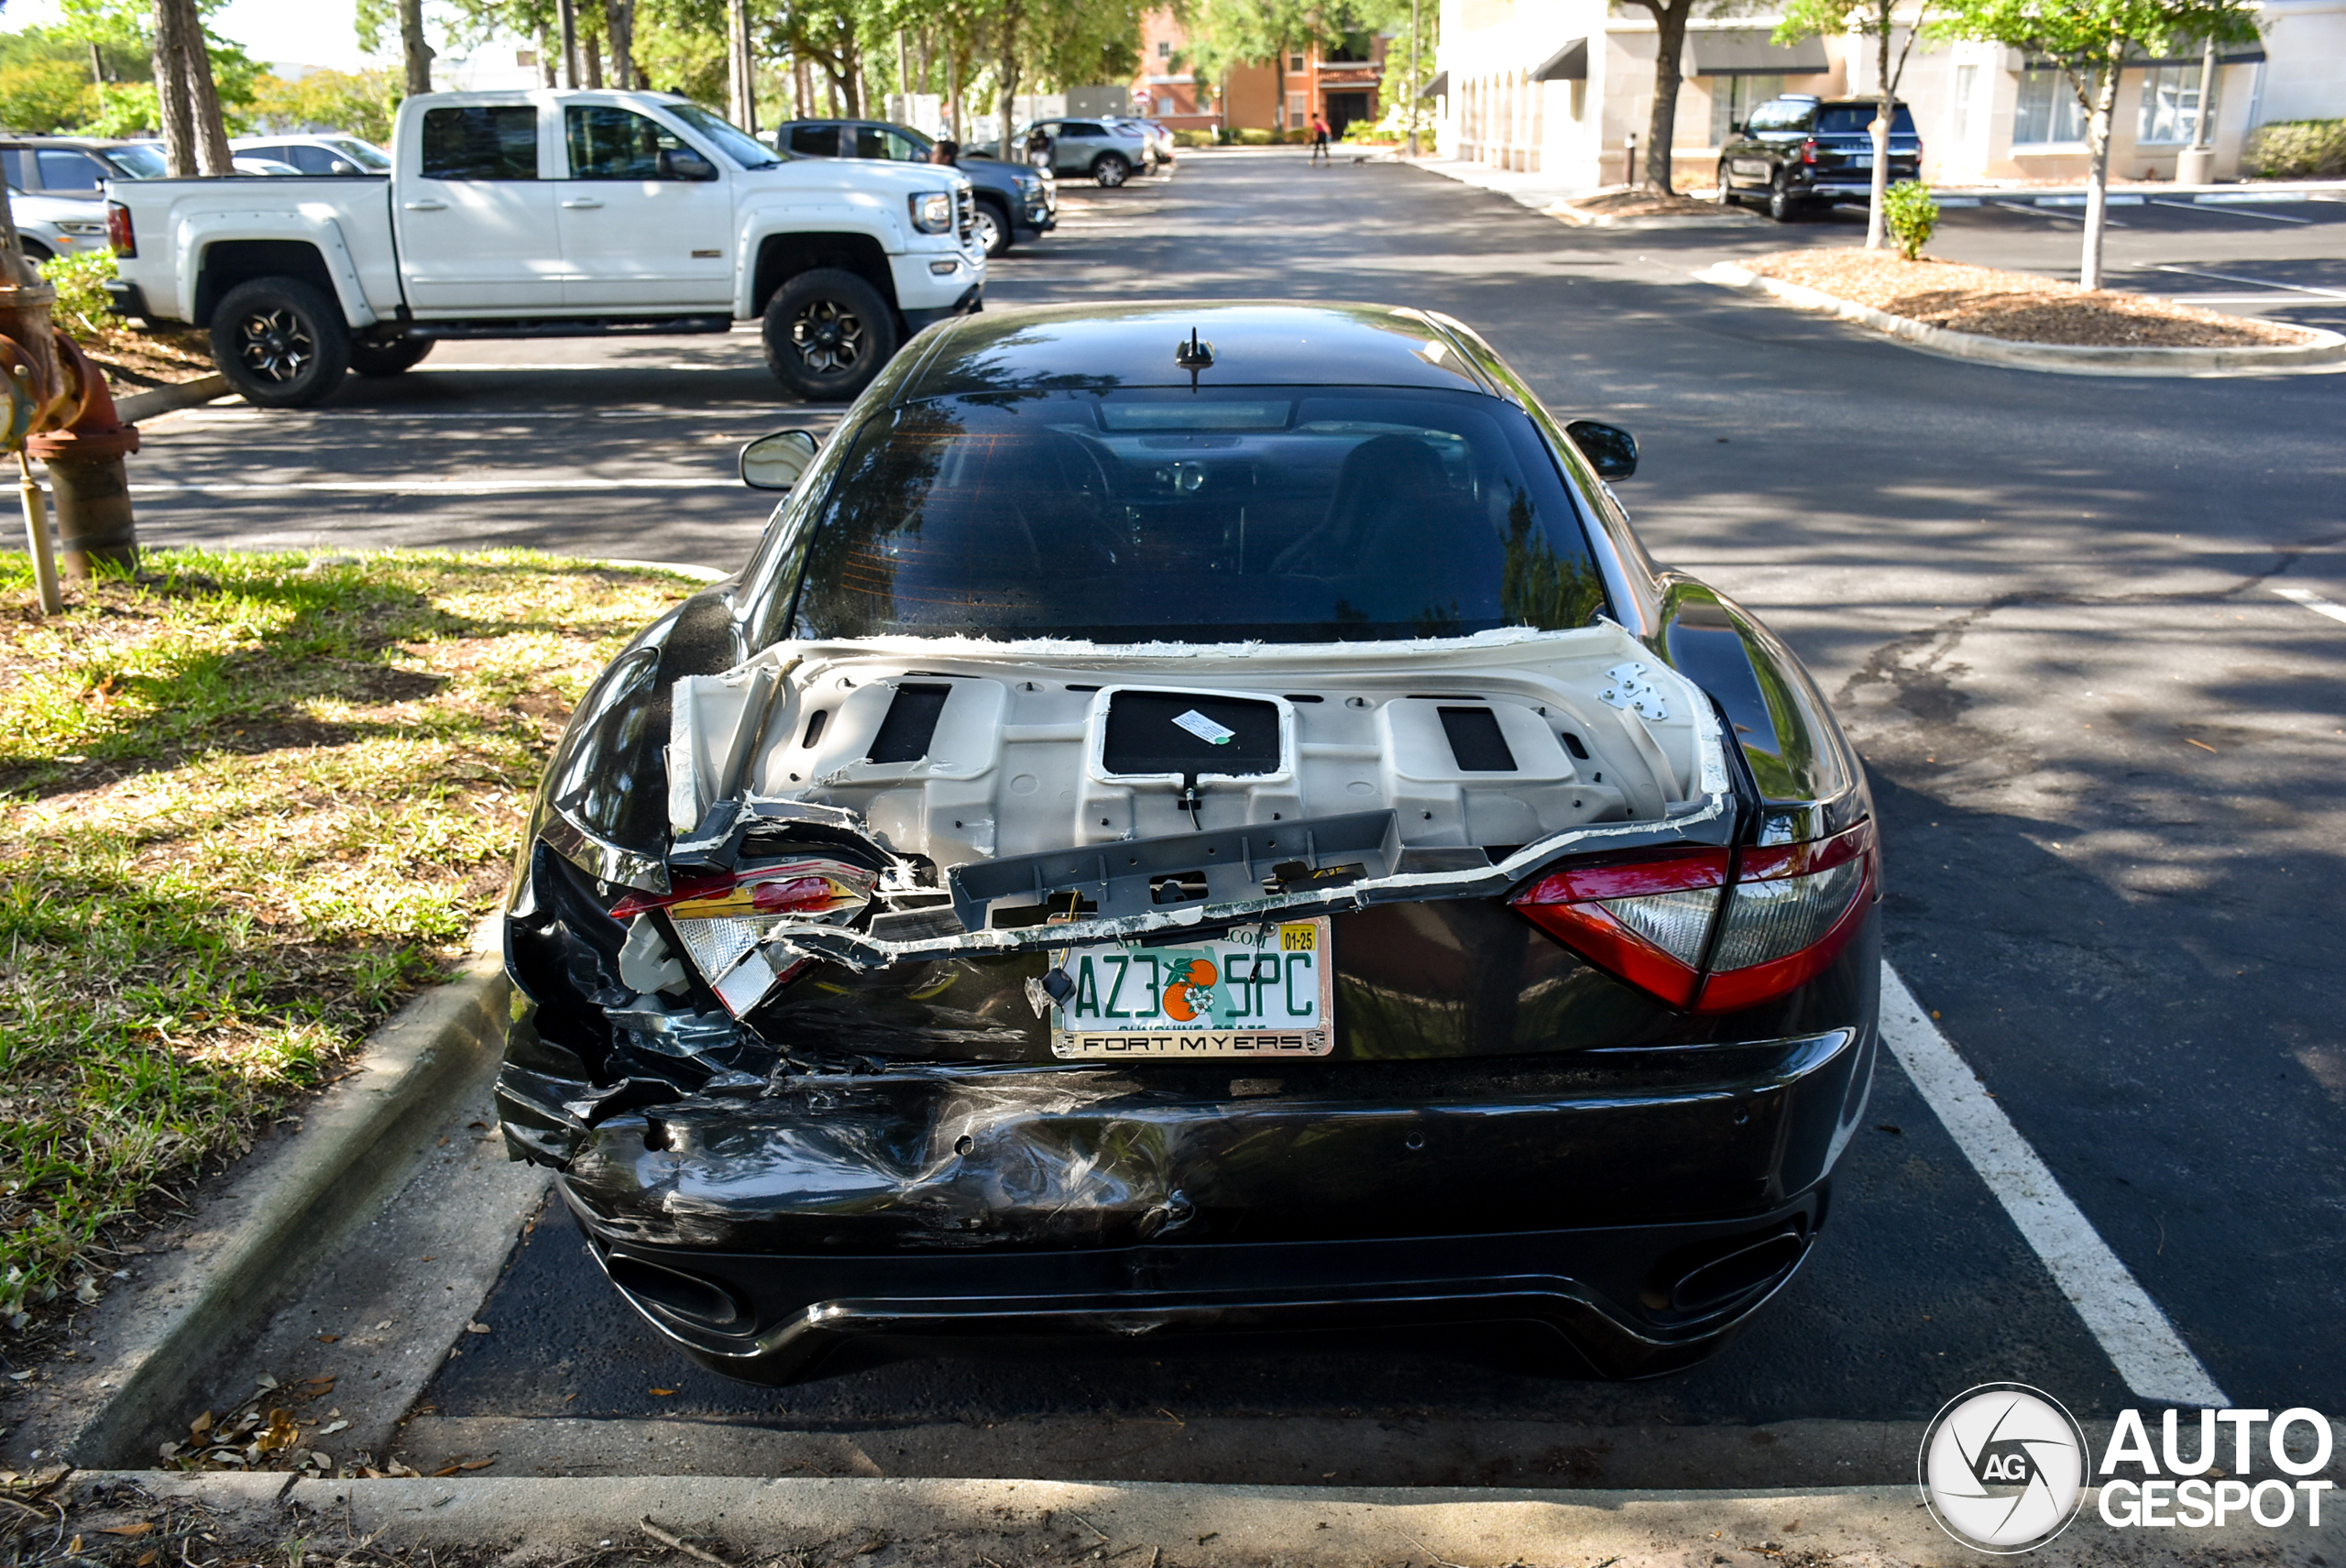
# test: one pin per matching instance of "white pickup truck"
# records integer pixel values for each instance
(550, 214)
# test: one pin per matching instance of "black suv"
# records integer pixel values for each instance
(1013, 201)
(1796, 150)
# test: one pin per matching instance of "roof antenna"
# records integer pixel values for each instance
(1194, 356)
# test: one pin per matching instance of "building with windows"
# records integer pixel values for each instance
(1557, 87)
(1342, 84)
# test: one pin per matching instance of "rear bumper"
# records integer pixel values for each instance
(1641, 1212)
(1631, 1300)
(125, 298)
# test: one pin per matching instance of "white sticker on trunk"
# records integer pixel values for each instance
(1205, 729)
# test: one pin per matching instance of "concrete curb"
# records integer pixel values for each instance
(1192, 1526)
(280, 1219)
(165, 399)
(1725, 218)
(2328, 354)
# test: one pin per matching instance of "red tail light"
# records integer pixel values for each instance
(119, 234)
(1659, 923)
(1808, 150)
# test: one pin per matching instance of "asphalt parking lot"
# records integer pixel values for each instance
(2106, 749)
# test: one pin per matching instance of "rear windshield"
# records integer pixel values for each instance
(1847, 120)
(1304, 514)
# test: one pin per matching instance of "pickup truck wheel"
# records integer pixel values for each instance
(280, 342)
(1110, 170)
(827, 333)
(992, 228)
(389, 358)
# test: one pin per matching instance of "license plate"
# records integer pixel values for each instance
(1859, 159)
(1259, 991)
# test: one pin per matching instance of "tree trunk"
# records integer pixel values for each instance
(737, 56)
(545, 62)
(2105, 99)
(1009, 112)
(171, 105)
(212, 153)
(952, 91)
(566, 17)
(1885, 107)
(1409, 103)
(590, 51)
(414, 52)
(618, 23)
(1669, 49)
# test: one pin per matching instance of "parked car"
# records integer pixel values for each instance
(1096, 149)
(1162, 148)
(318, 154)
(552, 214)
(1195, 818)
(262, 166)
(52, 227)
(1796, 151)
(1014, 199)
(75, 166)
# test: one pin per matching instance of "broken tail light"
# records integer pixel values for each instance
(1701, 931)
(721, 921)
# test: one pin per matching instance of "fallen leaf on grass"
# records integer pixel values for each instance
(142, 1527)
(465, 1464)
(149, 1559)
(328, 1339)
(332, 1427)
(475, 1327)
(662, 1392)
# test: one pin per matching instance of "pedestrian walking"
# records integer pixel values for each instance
(1319, 141)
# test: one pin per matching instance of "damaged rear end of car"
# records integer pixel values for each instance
(1180, 907)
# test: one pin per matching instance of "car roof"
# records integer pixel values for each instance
(1255, 343)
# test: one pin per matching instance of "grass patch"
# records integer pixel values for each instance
(246, 807)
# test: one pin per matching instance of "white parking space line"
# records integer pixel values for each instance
(2120, 1314)
(2255, 282)
(2227, 211)
(2313, 601)
(2037, 211)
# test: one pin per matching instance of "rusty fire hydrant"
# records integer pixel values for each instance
(54, 405)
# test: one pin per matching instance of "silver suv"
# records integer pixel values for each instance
(1102, 150)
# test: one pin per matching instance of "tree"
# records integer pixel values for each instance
(1877, 20)
(1670, 19)
(2089, 41)
(360, 102)
(195, 135)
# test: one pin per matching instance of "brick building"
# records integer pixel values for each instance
(1342, 84)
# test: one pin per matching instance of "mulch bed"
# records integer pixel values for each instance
(134, 361)
(2018, 307)
(1637, 202)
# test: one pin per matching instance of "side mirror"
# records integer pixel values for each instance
(1610, 450)
(775, 462)
(678, 163)
(1736, 128)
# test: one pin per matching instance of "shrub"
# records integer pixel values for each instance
(2299, 149)
(79, 282)
(1192, 138)
(1910, 214)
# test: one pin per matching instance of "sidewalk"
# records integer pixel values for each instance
(1540, 191)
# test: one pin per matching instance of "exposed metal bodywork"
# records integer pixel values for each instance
(837, 1115)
